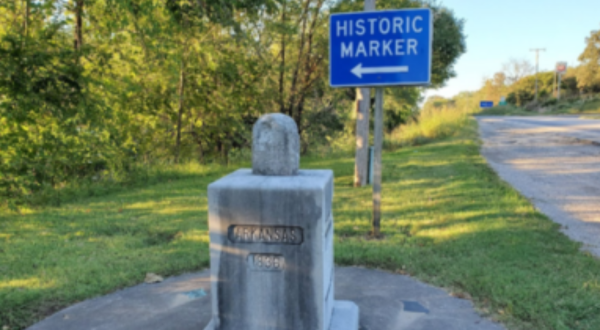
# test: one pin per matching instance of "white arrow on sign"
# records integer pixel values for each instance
(359, 70)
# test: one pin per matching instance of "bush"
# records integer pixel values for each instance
(549, 102)
(523, 91)
(532, 106)
(51, 128)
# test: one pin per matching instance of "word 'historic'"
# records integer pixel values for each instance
(396, 25)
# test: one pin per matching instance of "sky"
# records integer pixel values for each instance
(498, 30)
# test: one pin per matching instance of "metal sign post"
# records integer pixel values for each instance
(377, 49)
(537, 68)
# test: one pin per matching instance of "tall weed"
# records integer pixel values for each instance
(433, 123)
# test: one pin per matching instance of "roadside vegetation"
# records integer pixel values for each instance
(436, 120)
(447, 220)
(107, 147)
(95, 92)
(515, 83)
(573, 106)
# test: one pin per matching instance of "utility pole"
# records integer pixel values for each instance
(554, 86)
(363, 110)
(561, 68)
(537, 68)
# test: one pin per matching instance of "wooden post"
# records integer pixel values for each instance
(363, 106)
(377, 163)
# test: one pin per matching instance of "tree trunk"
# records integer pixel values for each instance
(282, 65)
(200, 153)
(225, 153)
(78, 24)
(198, 139)
(180, 111)
(295, 76)
(26, 20)
(363, 106)
(299, 110)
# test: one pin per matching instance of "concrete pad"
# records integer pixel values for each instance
(344, 317)
(386, 301)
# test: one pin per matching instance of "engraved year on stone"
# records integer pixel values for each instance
(266, 262)
(266, 234)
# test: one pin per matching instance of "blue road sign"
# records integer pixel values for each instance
(380, 48)
(486, 104)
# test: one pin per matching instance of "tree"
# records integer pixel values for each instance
(303, 38)
(78, 28)
(189, 17)
(448, 45)
(493, 89)
(90, 88)
(588, 74)
(523, 91)
(52, 126)
(514, 70)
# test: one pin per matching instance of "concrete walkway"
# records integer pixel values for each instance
(387, 302)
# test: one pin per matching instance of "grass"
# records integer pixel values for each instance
(52, 257)
(591, 116)
(432, 124)
(508, 110)
(447, 220)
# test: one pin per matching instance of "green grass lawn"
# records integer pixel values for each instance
(447, 220)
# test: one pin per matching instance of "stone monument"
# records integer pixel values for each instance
(271, 241)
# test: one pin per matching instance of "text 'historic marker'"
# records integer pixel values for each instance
(381, 48)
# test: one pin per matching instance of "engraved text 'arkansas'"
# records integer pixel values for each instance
(266, 234)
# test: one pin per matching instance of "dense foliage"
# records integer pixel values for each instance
(89, 89)
(588, 74)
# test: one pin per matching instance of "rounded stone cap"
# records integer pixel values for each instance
(275, 146)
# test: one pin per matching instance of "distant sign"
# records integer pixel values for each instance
(381, 48)
(486, 104)
(561, 67)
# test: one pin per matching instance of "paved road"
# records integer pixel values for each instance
(570, 126)
(553, 161)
